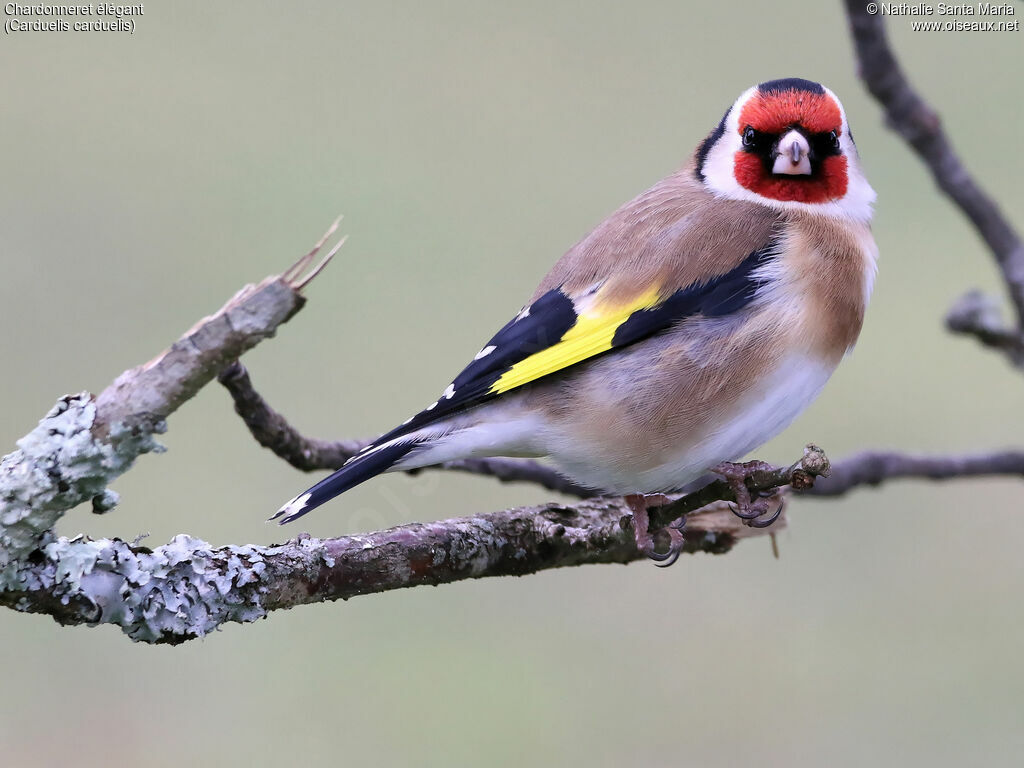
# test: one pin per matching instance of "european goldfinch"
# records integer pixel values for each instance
(691, 326)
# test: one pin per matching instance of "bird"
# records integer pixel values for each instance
(687, 329)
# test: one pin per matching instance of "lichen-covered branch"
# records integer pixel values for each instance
(914, 120)
(85, 442)
(272, 430)
(188, 588)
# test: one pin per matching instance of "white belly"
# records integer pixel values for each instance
(763, 413)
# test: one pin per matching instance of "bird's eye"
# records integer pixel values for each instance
(834, 138)
(748, 137)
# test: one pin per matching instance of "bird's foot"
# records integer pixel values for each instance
(639, 503)
(750, 510)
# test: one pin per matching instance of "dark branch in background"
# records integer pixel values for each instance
(911, 117)
(978, 315)
(272, 431)
(874, 468)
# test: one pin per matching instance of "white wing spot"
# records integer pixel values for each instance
(431, 407)
(450, 392)
(375, 448)
(407, 421)
(484, 352)
(294, 506)
(523, 315)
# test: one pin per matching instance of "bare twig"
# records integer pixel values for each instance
(272, 431)
(911, 117)
(875, 467)
(156, 389)
(978, 315)
(291, 276)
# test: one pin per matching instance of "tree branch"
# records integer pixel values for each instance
(188, 588)
(911, 117)
(876, 467)
(84, 443)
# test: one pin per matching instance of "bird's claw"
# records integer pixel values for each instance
(757, 522)
(675, 549)
(639, 504)
(750, 510)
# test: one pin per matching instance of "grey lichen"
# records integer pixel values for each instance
(182, 590)
(105, 502)
(58, 465)
(186, 588)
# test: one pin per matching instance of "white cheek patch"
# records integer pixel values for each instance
(720, 178)
(720, 161)
(859, 197)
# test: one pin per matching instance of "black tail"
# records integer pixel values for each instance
(359, 468)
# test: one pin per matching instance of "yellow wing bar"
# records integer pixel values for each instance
(591, 335)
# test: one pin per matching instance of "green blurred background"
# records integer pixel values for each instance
(147, 177)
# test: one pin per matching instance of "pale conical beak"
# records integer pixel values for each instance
(793, 155)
